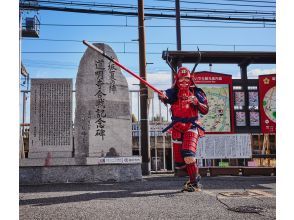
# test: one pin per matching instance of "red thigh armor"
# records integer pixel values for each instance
(190, 140)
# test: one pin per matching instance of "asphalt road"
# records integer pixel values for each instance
(156, 197)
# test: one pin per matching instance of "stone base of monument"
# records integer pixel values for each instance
(69, 170)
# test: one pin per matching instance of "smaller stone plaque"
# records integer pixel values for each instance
(51, 118)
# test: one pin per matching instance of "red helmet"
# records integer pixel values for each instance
(183, 72)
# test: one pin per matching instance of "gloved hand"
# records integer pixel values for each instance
(193, 100)
(162, 96)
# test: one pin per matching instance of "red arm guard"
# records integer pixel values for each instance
(202, 104)
(203, 107)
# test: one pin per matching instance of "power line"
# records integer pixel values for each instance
(223, 4)
(268, 2)
(157, 26)
(129, 6)
(249, 1)
(219, 21)
(79, 3)
(119, 13)
(79, 52)
(151, 43)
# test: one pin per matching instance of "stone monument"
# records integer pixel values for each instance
(102, 117)
(102, 130)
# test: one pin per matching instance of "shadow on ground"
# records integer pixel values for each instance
(163, 186)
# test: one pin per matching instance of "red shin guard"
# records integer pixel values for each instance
(192, 171)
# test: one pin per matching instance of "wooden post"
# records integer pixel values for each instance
(145, 147)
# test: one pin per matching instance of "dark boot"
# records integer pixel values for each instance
(193, 187)
(185, 186)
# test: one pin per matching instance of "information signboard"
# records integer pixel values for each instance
(218, 89)
(267, 94)
(224, 146)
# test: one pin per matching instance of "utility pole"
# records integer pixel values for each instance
(178, 29)
(145, 148)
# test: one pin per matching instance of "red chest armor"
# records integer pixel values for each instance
(182, 108)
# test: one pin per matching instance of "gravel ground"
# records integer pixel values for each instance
(155, 197)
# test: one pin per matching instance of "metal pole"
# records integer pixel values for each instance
(244, 77)
(21, 130)
(24, 111)
(20, 34)
(172, 154)
(152, 117)
(178, 29)
(167, 113)
(160, 122)
(139, 106)
(145, 147)
(131, 102)
(163, 140)
(139, 125)
(160, 119)
(155, 149)
(153, 109)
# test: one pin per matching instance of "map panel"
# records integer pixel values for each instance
(218, 117)
(269, 104)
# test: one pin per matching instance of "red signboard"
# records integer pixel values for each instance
(218, 89)
(206, 77)
(267, 103)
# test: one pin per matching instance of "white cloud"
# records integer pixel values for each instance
(160, 80)
(254, 73)
(236, 76)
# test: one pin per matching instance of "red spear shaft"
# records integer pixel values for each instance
(126, 69)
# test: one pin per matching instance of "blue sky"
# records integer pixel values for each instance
(65, 65)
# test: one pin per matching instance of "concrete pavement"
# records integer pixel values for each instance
(156, 197)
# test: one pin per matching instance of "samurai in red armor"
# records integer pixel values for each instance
(187, 101)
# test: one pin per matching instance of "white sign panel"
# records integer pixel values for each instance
(119, 160)
(224, 146)
(155, 129)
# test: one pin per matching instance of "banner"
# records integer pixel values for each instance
(267, 103)
(218, 89)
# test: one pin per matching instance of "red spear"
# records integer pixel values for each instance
(124, 68)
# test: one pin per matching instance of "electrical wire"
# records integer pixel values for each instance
(249, 1)
(120, 13)
(79, 52)
(159, 26)
(217, 3)
(129, 6)
(150, 43)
